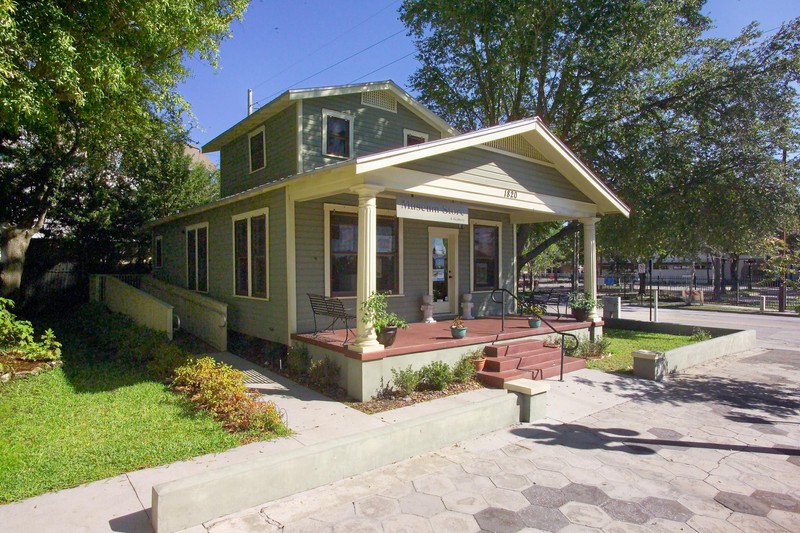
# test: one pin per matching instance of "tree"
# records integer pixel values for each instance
(81, 80)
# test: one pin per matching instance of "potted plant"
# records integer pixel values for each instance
(384, 322)
(536, 310)
(581, 304)
(457, 329)
(477, 358)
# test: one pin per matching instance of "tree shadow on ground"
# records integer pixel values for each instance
(582, 437)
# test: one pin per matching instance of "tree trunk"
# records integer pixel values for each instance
(717, 262)
(525, 258)
(734, 258)
(14, 244)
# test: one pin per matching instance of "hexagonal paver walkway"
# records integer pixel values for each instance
(717, 449)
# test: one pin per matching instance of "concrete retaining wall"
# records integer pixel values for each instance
(723, 342)
(200, 315)
(144, 309)
(190, 501)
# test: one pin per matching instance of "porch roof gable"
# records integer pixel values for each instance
(533, 131)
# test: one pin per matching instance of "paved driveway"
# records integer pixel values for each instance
(716, 449)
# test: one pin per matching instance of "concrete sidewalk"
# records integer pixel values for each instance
(716, 449)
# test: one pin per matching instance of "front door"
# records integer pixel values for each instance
(443, 269)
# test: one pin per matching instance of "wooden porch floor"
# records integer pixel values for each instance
(421, 337)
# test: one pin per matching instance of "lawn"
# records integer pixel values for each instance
(93, 419)
(624, 342)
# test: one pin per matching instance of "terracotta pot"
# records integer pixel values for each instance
(479, 363)
(387, 336)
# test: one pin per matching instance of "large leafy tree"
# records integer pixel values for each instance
(80, 81)
(630, 86)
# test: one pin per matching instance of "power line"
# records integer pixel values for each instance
(370, 73)
(381, 10)
(351, 56)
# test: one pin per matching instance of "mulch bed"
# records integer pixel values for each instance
(397, 400)
(17, 368)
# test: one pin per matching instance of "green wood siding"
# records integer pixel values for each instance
(375, 130)
(281, 139)
(266, 319)
(475, 165)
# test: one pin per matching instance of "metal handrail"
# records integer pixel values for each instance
(564, 348)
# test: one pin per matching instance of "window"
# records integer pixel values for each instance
(250, 254)
(158, 252)
(485, 255)
(258, 150)
(342, 251)
(411, 137)
(197, 257)
(337, 134)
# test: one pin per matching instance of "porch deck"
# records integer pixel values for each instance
(421, 337)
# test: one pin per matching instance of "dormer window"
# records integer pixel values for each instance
(411, 137)
(337, 134)
(258, 150)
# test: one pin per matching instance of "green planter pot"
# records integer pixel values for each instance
(458, 333)
(535, 322)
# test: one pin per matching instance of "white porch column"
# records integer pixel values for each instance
(590, 262)
(366, 269)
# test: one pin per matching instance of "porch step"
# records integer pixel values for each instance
(514, 348)
(539, 355)
(496, 379)
(549, 369)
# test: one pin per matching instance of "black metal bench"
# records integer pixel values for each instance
(551, 297)
(331, 308)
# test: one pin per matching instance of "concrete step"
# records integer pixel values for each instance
(507, 350)
(498, 364)
(497, 379)
(551, 369)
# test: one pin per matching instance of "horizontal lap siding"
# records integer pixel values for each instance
(281, 141)
(474, 165)
(266, 319)
(375, 130)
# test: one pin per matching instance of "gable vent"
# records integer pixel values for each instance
(517, 145)
(380, 99)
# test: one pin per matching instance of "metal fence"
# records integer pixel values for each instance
(751, 292)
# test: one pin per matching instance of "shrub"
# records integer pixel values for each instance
(166, 358)
(220, 389)
(797, 309)
(437, 375)
(464, 370)
(699, 335)
(298, 360)
(324, 373)
(406, 380)
(593, 348)
(17, 337)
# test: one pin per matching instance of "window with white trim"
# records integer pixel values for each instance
(258, 149)
(251, 254)
(158, 252)
(485, 255)
(337, 134)
(411, 137)
(197, 257)
(341, 244)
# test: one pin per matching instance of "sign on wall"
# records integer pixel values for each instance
(431, 209)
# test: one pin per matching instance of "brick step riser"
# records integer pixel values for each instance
(498, 364)
(541, 371)
(507, 350)
(496, 380)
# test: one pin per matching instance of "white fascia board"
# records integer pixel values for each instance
(406, 154)
(575, 170)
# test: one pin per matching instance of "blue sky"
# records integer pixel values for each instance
(282, 44)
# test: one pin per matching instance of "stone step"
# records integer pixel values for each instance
(500, 350)
(497, 364)
(497, 379)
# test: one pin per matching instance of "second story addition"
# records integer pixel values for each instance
(306, 129)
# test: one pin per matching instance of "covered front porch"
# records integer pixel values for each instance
(513, 349)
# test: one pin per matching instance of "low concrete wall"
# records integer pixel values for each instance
(143, 308)
(190, 501)
(724, 342)
(201, 316)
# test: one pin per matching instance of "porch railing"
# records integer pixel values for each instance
(564, 348)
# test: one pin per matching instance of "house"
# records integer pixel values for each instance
(347, 190)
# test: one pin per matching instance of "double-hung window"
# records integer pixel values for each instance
(258, 149)
(197, 257)
(251, 254)
(337, 134)
(342, 246)
(485, 251)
